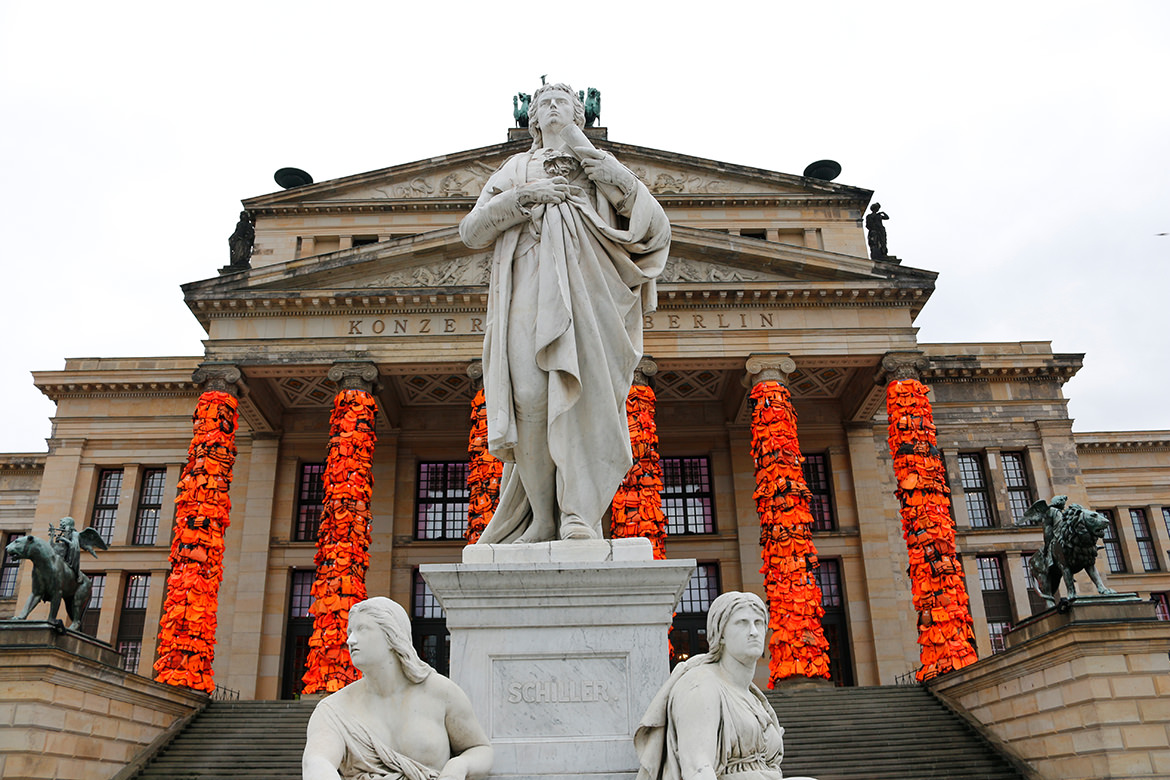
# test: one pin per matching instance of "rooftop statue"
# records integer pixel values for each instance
(520, 105)
(875, 223)
(401, 720)
(592, 105)
(1070, 546)
(57, 574)
(241, 240)
(578, 242)
(709, 721)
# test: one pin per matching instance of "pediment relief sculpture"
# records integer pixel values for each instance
(462, 182)
(683, 270)
(467, 271)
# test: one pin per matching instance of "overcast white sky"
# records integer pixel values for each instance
(1020, 148)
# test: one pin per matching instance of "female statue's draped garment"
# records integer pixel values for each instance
(583, 272)
(366, 758)
(749, 740)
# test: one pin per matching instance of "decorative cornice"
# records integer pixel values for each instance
(117, 389)
(1123, 441)
(23, 462)
(1061, 373)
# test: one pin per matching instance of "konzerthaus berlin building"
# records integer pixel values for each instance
(364, 279)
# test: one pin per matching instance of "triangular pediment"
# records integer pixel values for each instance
(464, 174)
(439, 261)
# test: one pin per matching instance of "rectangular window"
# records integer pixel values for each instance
(1144, 539)
(301, 593)
(1166, 518)
(9, 568)
(441, 509)
(974, 481)
(310, 502)
(816, 475)
(1019, 491)
(93, 613)
(132, 621)
(686, 496)
(105, 504)
(688, 633)
(429, 626)
(150, 499)
(298, 630)
(1112, 544)
(996, 603)
(760, 233)
(1161, 604)
(828, 576)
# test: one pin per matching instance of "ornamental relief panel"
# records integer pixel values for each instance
(683, 270)
(469, 271)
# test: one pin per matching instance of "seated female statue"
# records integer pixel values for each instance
(401, 721)
(709, 721)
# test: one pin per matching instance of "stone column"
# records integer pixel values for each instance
(186, 648)
(936, 576)
(1060, 456)
(253, 543)
(797, 646)
(343, 540)
(637, 505)
(484, 470)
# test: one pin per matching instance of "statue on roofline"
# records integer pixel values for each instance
(1071, 533)
(875, 223)
(240, 242)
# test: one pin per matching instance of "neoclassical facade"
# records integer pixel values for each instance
(363, 282)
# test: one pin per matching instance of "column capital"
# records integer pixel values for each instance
(768, 366)
(224, 377)
(645, 369)
(475, 373)
(902, 365)
(356, 375)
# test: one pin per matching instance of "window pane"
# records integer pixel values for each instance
(828, 576)
(442, 501)
(1112, 544)
(9, 569)
(137, 590)
(150, 498)
(89, 622)
(816, 476)
(105, 505)
(1145, 541)
(975, 489)
(301, 596)
(990, 573)
(310, 501)
(701, 590)
(686, 496)
(424, 604)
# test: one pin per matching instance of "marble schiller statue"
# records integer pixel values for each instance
(401, 720)
(578, 242)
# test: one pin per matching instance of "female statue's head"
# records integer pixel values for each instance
(722, 609)
(394, 623)
(534, 106)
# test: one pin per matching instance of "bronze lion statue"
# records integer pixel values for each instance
(1071, 533)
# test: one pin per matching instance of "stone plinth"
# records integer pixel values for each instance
(560, 647)
(1083, 691)
(67, 710)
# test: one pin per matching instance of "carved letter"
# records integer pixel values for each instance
(766, 319)
(743, 320)
(514, 694)
(400, 326)
(426, 326)
(723, 324)
(673, 321)
(355, 326)
(448, 325)
(476, 325)
(647, 322)
(699, 321)
(530, 692)
(378, 327)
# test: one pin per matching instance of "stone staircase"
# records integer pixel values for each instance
(899, 733)
(894, 732)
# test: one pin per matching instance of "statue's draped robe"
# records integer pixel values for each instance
(594, 257)
(749, 741)
(366, 758)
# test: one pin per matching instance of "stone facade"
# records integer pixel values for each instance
(370, 268)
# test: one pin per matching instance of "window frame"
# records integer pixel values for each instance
(677, 496)
(1020, 491)
(1114, 551)
(145, 527)
(101, 503)
(308, 510)
(452, 509)
(1144, 538)
(822, 497)
(10, 567)
(976, 493)
(997, 604)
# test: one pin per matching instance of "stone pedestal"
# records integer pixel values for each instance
(67, 710)
(1080, 692)
(560, 647)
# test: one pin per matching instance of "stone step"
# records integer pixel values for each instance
(880, 733)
